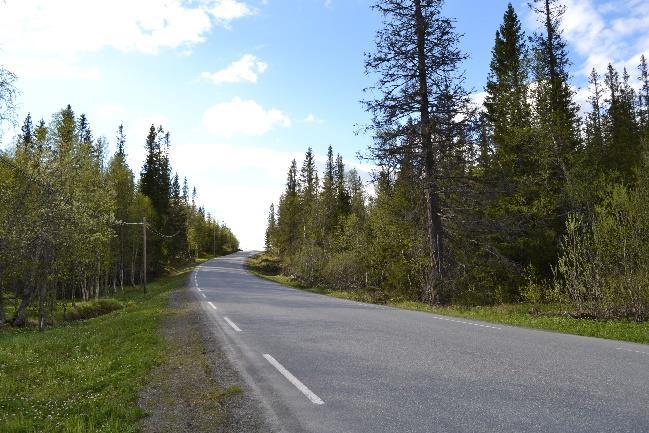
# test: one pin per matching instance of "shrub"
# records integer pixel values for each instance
(603, 267)
(90, 309)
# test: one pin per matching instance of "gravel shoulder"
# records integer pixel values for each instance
(195, 388)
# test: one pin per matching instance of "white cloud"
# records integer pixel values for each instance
(46, 38)
(312, 118)
(243, 117)
(614, 32)
(247, 68)
(228, 10)
(478, 98)
(255, 177)
(251, 172)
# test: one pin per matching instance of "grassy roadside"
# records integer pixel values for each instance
(183, 394)
(547, 317)
(85, 376)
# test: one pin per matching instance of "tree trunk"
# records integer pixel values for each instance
(2, 306)
(84, 289)
(98, 281)
(28, 292)
(432, 291)
(41, 307)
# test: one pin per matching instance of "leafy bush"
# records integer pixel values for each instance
(265, 264)
(88, 310)
(603, 268)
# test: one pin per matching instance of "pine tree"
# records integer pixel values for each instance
(417, 60)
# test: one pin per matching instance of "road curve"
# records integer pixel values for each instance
(322, 364)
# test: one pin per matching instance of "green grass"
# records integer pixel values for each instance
(84, 376)
(547, 317)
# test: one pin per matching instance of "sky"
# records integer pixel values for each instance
(244, 86)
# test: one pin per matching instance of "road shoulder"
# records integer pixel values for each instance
(195, 389)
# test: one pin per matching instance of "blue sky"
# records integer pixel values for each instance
(246, 85)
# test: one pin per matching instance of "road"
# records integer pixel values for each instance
(322, 364)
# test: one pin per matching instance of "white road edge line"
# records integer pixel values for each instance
(232, 324)
(466, 323)
(211, 305)
(634, 351)
(294, 380)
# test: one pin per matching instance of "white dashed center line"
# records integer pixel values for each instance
(232, 324)
(212, 305)
(294, 380)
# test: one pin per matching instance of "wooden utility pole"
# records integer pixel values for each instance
(144, 252)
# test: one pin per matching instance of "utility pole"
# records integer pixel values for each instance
(144, 252)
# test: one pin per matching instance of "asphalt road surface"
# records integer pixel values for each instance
(322, 364)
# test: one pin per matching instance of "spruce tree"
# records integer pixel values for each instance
(65, 131)
(556, 112)
(308, 179)
(506, 102)
(343, 205)
(83, 130)
(121, 141)
(288, 215)
(621, 132)
(328, 196)
(27, 133)
(270, 229)
(643, 103)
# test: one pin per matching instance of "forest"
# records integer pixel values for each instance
(527, 197)
(73, 217)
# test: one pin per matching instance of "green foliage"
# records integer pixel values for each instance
(67, 219)
(501, 183)
(90, 309)
(84, 376)
(549, 316)
(603, 269)
(265, 264)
